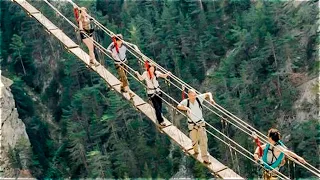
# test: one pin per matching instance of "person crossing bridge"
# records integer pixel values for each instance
(272, 155)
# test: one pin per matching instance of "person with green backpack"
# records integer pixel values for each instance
(272, 155)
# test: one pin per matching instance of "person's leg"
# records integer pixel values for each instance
(273, 175)
(125, 82)
(154, 104)
(91, 49)
(203, 142)
(88, 42)
(118, 68)
(194, 139)
(160, 105)
(121, 77)
(266, 175)
(158, 108)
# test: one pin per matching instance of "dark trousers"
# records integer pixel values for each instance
(157, 105)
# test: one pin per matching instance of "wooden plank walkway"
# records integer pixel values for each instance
(217, 168)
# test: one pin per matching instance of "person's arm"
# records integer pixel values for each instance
(256, 152)
(294, 155)
(210, 98)
(140, 77)
(76, 12)
(182, 106)
(109, 50)
(80, 25)
(133, 45)
(113, 54)
(207, 96)
(160, 74)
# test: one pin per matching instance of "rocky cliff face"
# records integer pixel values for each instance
(307, 106)
(12, 135)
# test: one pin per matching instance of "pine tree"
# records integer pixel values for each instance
(77, 146)
(17, 46)
(99, 165)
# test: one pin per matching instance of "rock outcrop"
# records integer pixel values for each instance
(307, 106)
(13, 134)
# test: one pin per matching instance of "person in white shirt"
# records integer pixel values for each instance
(196, 123)
(153, 89)
(118, 51)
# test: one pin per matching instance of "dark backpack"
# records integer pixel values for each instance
(200, 105)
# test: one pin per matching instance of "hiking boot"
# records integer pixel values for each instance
(207, 162)
(131, 95)
(93, 63)
(163, 124)
(122, 90)
(196, 154)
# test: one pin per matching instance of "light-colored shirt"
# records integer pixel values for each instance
(121, 56)
(270, 158)
(196, 112)
(86, 23)
(153, 83)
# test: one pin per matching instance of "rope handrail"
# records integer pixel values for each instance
(103, 50)
(221, 109)
(174, 77)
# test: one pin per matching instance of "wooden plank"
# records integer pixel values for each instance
(81, 54)
(138, 101)
(229, 174)
(180, 138)
(44, 21)
(148, 110)
(64, 38)
(215, 165)
(28, 7)
(136, 104)
(172, 131)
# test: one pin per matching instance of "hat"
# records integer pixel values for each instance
(118, 36)
(191, 91)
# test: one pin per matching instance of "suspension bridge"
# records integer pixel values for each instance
(218, 169)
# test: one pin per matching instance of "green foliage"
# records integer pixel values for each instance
(14, 158)
(244, 52)
(305, 139)
(24, 103)
(99, 165)
(23, 148)
(38, 134)
(20, 157)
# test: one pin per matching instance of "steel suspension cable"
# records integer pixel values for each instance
(128, 66)
(177, 79)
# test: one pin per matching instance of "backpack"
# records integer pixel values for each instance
(278, 161)
(200, 105)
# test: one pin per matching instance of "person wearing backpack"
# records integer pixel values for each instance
(273, 157)
(118, 51)
(151, 76)
(196, 123)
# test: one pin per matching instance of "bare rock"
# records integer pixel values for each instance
(12, 132)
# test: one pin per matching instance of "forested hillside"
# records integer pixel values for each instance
(252, 55)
